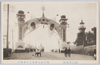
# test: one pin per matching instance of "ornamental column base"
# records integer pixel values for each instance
(20, 45)
(63, 46)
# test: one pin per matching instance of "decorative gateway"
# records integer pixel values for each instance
(33, 24)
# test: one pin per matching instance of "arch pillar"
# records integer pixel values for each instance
(20, 45)
(63, 24)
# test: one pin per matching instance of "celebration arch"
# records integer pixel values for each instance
(32, 23)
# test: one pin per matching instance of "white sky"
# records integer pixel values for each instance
(75, 12)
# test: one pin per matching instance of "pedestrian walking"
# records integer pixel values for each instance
(69, 52)
(66, 52)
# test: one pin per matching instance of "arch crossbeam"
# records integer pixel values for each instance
(57, 27)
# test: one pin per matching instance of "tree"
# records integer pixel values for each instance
(94, 34)
(81, 39)
(89, 36)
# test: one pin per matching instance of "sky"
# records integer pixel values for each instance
(74, 11)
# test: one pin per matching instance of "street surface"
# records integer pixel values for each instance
(48, 56)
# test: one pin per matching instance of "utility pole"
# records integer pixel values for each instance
(7, 25)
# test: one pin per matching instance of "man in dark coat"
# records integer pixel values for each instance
(69, 51)
(66, 52)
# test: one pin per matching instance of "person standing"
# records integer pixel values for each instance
(69, 52)
(66, 52)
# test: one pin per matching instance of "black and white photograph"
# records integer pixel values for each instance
(49, 32)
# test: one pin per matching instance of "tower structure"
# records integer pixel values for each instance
(21, 21)
(63, 24)
(81, 37)
(20, 44)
